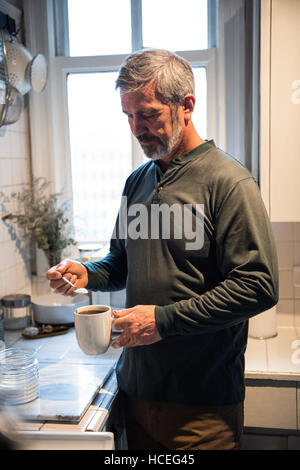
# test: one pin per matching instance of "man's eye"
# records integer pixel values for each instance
(150, 116)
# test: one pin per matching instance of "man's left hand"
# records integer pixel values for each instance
(138, 325)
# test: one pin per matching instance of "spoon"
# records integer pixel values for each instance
(80, 290)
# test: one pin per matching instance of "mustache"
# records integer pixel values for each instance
(147, 138)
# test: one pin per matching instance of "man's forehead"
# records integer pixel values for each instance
(146, 94)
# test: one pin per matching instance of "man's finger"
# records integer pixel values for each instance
(56, 272)
(63, 266)
(53, 274)
(120, 342)
(115, 344)
(120, 323)
(122, 313)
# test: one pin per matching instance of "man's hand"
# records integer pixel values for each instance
(138, 325)
(74, 271)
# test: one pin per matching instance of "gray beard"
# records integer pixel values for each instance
(164, 148)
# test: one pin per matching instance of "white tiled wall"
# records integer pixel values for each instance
(287, 236)
(14, 172)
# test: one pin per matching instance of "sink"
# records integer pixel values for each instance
(56, 309)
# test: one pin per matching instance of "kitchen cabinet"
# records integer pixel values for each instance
(280, 109)
(272, 406)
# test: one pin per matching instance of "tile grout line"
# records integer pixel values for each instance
(267, 355)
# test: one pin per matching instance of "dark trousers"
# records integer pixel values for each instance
(153, 425)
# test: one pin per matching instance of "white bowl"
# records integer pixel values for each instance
(56, 309)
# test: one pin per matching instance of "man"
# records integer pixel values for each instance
(181, 372)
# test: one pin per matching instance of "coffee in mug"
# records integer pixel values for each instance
(93, 324)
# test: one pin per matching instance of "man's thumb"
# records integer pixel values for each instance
(122, 313)
(63, 266)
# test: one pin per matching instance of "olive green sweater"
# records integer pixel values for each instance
(203, 296)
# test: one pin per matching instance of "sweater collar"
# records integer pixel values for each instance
(192, 154)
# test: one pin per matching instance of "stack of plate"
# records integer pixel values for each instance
(19, 376)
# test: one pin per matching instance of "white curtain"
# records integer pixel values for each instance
(239, 49)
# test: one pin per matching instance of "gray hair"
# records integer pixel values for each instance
(172, 75)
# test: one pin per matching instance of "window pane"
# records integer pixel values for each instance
(200, 111)
(99, 27)
(100, 153)
(175, 24)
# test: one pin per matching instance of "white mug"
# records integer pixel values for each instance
(93, 324)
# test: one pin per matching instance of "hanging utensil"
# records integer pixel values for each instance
(11, 100)
(19, 72)
(23, 70)
(12, 108)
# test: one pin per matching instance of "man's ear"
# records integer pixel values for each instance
(188, 107)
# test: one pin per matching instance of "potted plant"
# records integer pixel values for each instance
(40, 217)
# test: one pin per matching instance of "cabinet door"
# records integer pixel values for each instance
(284, 168)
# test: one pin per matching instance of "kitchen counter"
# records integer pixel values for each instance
(275, 358)
(76, 390)
(272, 375)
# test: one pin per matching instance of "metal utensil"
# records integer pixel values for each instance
(80, 290)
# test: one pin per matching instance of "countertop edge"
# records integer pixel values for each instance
(275, 376)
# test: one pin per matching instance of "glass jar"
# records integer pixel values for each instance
(19, 376)
(17, 311)
(2, 341)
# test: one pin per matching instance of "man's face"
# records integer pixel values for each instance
(152, 122)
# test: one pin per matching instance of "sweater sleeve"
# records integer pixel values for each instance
(247, 260)
(108, 274)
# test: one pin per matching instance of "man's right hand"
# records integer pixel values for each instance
(74, 271)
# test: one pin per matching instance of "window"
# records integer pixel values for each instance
(93, 149)
(99, 28)
(100, 153)
(162, 24)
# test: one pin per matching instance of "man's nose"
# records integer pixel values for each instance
(138, 126)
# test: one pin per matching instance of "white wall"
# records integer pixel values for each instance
(280, 116)
(287, 237)
(14, 173)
